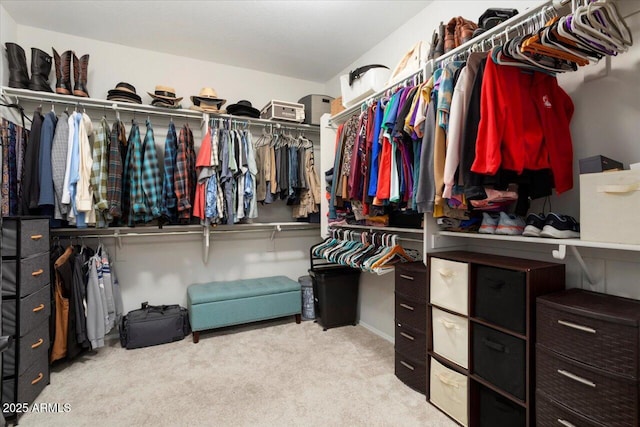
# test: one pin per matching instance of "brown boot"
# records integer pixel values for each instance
(80, 70)
(63, 72)
(450, 36)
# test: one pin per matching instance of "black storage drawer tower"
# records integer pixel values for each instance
(335, 293)
(26, 306)
(411, 324)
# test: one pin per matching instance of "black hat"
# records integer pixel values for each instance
(243, 108)
(124, 92)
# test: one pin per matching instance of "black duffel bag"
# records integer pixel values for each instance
(153, 325)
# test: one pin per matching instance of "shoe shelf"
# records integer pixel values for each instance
(558, 253)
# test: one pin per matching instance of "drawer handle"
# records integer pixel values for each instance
(408, 307)
(576, 326)
(565, 423)
(37, 272)
(404, 276)
(446, 273)
(494, 345)
(576, 378)
(444, 380)
(38, 308)
(407, 336)
(36, 237)
(406, 365)
(37, 343)
(38, 379)
(448, 325)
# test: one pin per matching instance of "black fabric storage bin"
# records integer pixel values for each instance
(335, 290)
(501, 297)
(498, 411)
(500, 359)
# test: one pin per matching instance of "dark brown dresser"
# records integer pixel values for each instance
(26, 306)
(411, 324)
(588, 360)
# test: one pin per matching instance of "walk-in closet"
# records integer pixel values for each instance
(265, 213)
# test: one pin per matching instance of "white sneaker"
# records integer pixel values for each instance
(489, 223)
(510, 225)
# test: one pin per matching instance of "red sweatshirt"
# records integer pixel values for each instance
(524, 124)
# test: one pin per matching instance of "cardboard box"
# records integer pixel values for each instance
(314, 107)
(336, 106)
(609, 206)
(596, 164)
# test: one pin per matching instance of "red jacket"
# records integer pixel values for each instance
(524, 124)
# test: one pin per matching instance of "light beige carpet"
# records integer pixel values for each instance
(268, 374)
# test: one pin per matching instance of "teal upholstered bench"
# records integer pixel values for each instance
(217, 304)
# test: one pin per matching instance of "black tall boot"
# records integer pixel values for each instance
(40, 69)
(80, 71)
(18, 75)
(63, 71)
(439, 50)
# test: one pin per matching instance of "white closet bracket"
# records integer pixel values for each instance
(206, 233)
(116, 235)
(561, 253)
(275, 230)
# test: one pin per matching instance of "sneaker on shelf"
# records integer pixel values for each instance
(489, 223)
(560, 227)
(534, 225)
(510, 224)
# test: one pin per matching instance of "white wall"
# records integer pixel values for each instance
(605, 122)
(110, 63)
(158, 269)
(8, 32)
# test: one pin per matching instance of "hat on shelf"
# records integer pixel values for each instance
(165, 96)
(243, 108)
(124, 92)
(207, 101)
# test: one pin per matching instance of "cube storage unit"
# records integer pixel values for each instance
(335, 290)
(481, 317)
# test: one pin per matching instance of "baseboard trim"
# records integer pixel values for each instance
(377, 332)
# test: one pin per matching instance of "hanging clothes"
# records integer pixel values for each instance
(46, 191)
(84, 203)
(182, 176)
(169, 201)
(59, 149)
(28, 203)
(100, 173)
(151, 184)
(63, 281)
(117, 155)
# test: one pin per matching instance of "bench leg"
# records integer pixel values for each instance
(196, 337)
(298, 318)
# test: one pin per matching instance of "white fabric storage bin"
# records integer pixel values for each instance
(448, 391)
(374, 80)
(450, 336)
(609, 205)
(449, 285)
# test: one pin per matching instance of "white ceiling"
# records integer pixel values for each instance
(311, 39)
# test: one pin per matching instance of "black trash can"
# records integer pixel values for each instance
(335, 290)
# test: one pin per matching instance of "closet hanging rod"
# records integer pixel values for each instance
(506, 27)
(255, 122)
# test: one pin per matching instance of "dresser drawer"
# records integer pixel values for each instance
(496, 410)
(26, 236)
(33, 347)
(448, 391)
(411, 372)
(450, 336)
(500, 359)
(34, 309)
(34, 274)
(591, 392)
(552, 414)
(411, 312)
(586, 338)
(500, 297)
(410, 343)
(449, 283)
(30, 384)
(411, 280)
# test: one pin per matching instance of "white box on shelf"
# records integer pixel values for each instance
(372, 81)
(283, 110)
(609, 205)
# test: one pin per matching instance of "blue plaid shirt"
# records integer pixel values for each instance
(169, 199)
(151, 185)
(136, 197)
